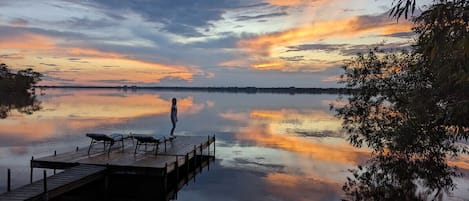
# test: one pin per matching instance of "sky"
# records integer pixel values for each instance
(261, 43)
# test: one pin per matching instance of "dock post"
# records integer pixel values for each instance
(208, 145)
(177, 169)
(8, 180)
(46, 196)
(195, 156)
(106, 183)
(165, 179)
(187, 167)
(55, 154)
(76, 149)
(214, 143)
(31, 174)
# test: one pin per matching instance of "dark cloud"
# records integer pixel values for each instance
(269, 166)
(18, 22)
(352, 10)
(349, 50)
(182, 17)
(11, 56)
(323, 47)
(86, 23)
(115, 81)
(229, 41)
(324, 133)
(49, 77)
(263, 16)
(294, 58)
(46, 64)
(402, 35)
(8, 31)
(387, 47)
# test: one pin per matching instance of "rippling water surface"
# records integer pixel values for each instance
(269, 146)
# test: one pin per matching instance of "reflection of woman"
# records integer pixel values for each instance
(174, 113)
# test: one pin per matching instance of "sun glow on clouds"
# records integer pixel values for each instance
(26, 41)
(93, 70)
(268, 46)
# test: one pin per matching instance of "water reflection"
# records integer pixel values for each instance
(23, 102)
(269, 146)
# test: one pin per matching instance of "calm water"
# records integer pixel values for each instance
(269, 146)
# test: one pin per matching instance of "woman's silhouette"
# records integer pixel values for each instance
(174, 113)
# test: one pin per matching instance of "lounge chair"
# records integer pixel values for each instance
(106, 139)
(154, 140)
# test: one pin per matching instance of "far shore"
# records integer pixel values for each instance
(250, 90)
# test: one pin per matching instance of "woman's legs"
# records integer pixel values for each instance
(174, 126)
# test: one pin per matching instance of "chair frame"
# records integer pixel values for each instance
(143, 139)
(106, 140)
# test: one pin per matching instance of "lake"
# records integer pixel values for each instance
(269, 146)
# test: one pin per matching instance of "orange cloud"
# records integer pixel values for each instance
(268, 46)
(83, 52)
(27, 41)
(333, 79)
(30, 46)
(263, 45)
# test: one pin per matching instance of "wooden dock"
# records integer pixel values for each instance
(57, 184)
(81, 168)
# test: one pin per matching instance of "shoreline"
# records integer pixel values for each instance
(253, 90)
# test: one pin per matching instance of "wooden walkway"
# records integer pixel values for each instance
(57, 184)
(82, 168)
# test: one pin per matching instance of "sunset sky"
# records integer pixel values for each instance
(263, 43)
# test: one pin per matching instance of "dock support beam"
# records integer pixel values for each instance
(31, 174)
(177, 168)
(8, 180)
(187, 167)
(165, 179)
(46, 196)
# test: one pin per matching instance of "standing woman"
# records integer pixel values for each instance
(174, 113)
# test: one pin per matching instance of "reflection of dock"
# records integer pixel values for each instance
(168, 170)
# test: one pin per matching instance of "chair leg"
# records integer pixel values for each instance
(91, 144)
(157, 146)
(110, 146)
(136, 147)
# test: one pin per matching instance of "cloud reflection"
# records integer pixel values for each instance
(283, 129)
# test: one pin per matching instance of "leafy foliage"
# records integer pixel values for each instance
(14, 91)
(411, 109)
(19, 81)
(402, 7)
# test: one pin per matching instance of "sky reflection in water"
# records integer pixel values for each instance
(269, 146)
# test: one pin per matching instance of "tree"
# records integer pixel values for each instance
(411, 109)
(20, 81)
(14, 91)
